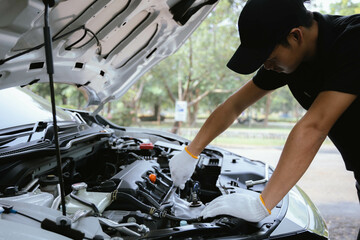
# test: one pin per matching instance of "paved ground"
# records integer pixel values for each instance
(328, 184)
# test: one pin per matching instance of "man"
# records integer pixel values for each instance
(318, 57)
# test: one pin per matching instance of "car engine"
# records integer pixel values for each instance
(119, 185)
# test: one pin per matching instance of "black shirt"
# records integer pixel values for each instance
(336, 67)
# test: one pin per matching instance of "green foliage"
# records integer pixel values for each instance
(345, 7)
(122, 112)
(122, 116)
(66, 95)
(201, 60)
(154, 90)
(282, 100)
(199, 63)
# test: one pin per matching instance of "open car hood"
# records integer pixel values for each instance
(102, 47)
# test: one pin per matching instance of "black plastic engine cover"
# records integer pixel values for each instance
(134, 179)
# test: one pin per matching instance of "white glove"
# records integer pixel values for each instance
(249, 207)
(182, 166)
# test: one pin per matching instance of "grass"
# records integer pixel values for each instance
(236, 135)
(241, 141)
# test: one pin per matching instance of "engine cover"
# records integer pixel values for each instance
(135, 179)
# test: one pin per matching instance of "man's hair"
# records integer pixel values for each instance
(307, 22)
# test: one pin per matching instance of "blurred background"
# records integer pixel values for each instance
(198, 77)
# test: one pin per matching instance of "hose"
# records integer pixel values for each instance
(89, 204)
(116, 196)
(150, 199)
(171, 217)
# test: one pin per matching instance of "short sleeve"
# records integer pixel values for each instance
(269, 80)
(343, 73)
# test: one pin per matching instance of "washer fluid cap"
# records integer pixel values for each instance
(183, 223)
(79, 186)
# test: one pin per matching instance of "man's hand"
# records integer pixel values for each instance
(182, 166)
(249, 207)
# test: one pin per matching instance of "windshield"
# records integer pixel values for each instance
(21, 106)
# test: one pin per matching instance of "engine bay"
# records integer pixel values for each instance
(122, 183)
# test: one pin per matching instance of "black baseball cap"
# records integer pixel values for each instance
(262, 25)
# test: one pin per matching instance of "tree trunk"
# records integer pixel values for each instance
(64, 100)
(156, 109)
(157, 113)
(79, 99)
(176, 127)
(134, 104)
(193, 111)
(267, 110)
(108, 110)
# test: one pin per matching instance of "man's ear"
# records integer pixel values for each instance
(296, 34)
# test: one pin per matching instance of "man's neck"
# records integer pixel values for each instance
(311, 41)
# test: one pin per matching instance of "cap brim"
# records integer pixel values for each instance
(246, 60)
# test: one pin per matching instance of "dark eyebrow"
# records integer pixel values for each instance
(271, 59)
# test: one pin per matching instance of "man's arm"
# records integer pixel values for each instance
(303, 143)
(225, 114)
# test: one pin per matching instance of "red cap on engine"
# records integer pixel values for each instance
(146, 146)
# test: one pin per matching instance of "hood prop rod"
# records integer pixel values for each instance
(50, 71)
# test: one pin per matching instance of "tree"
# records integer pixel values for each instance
(198, 70)
(154, 96)
(125, 111)
(345, 7)
(66, 95)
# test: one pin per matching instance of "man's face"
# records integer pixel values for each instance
(284, 59)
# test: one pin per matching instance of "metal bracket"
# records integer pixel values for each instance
(251, 183)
